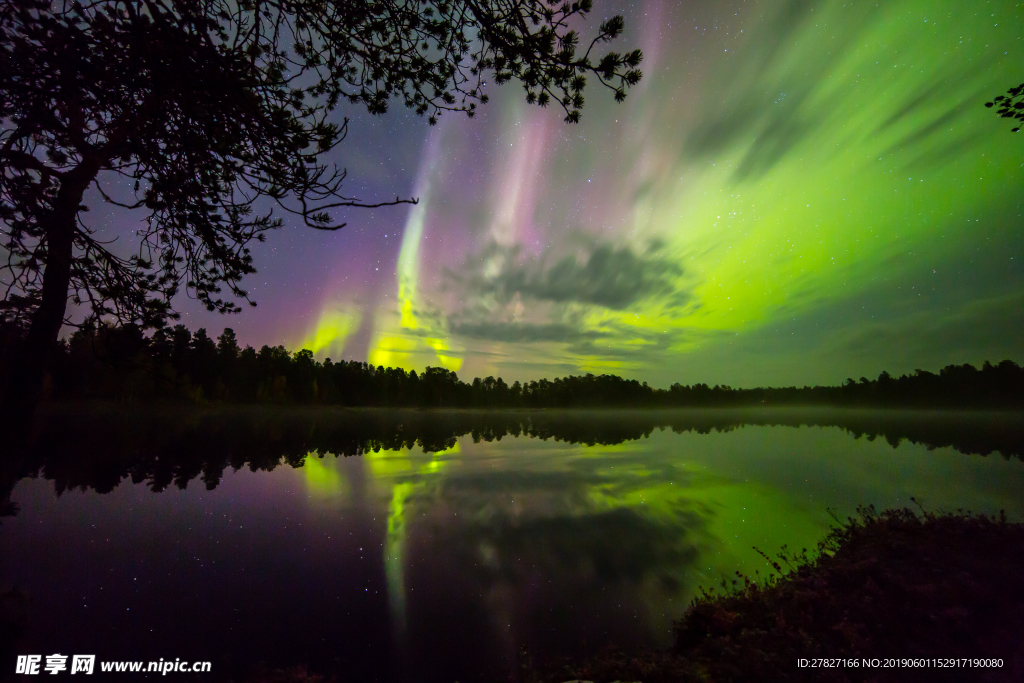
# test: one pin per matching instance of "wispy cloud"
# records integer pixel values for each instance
(606, 275)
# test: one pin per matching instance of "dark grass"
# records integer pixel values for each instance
(894, 584)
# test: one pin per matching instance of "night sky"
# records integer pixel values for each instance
(797, 192)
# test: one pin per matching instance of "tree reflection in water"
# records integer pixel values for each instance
(97, 449)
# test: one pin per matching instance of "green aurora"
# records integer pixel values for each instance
(797, 191)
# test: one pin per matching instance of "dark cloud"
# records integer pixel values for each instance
(913, 104)
(522, 332)
(614, 277)
(936, 129)
(780, 134)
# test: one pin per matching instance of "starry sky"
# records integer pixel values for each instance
(798, 191)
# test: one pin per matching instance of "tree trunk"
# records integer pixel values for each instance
(33, 360)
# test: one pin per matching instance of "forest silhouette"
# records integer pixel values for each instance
(122, 364)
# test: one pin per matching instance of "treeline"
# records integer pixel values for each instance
(123, 364)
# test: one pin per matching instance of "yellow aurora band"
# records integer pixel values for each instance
(404, 340)
(406, 474)
(395, 478)
(809, 185)
(332, 330)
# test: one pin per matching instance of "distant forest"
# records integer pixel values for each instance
(173, 364)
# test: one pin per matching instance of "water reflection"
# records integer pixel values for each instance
(99, 449)
(449, 543)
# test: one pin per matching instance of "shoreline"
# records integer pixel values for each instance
(929, 596)
(291, 407)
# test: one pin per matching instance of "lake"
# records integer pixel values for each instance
(433, 546)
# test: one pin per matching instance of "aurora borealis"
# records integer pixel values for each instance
(798, 191)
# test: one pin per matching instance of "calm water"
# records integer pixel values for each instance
(444, 542)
